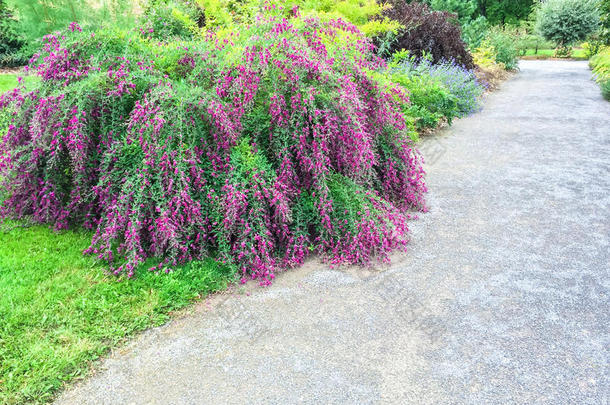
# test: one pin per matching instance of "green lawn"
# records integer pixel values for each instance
(548, 53)
(7, 82)
(60, 311)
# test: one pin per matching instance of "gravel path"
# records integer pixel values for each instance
(502, 297)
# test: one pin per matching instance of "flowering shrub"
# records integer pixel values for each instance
(443, 90)
(462, 83)
(257, 151)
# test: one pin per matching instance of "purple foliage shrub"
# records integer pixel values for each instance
(426, 31)
(257, 150)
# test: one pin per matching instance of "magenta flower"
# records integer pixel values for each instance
(184, 152)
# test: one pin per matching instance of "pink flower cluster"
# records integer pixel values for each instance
(291, 149)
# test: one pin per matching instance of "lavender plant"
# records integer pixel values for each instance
(441, 90)
(460, 82)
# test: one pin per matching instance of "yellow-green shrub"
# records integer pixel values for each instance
(220, 15)
(485, 56)
(489, 70)
(600, 64)
(591, 48)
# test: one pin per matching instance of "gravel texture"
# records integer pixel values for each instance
(502, 297)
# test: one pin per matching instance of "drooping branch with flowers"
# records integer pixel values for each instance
(257, 149)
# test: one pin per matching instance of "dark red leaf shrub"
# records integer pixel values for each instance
(426, 31)
(256, 151)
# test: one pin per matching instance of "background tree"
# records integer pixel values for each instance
(11, 41)
(566, 22)
(463, 8)
(605, 21)
(495, 11)
(504, 12)
(39, 17)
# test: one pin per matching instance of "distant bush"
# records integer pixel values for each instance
(592, 47)
(488, 70)
(11, 40)
(365, 14)
(566, 22)
(257, 150)
(498, 49)
(600, 64)
(605, 86)
(167, 20)
(474, 31)
(473, 25)
(485, 55)
(436, 33)
(505, 47)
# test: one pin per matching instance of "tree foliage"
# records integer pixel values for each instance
(40, 17)
(11, 40)
(566, 22)
(464, 9)
(505, 12)
(605, 21)
(494, 11)
(427, 31)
